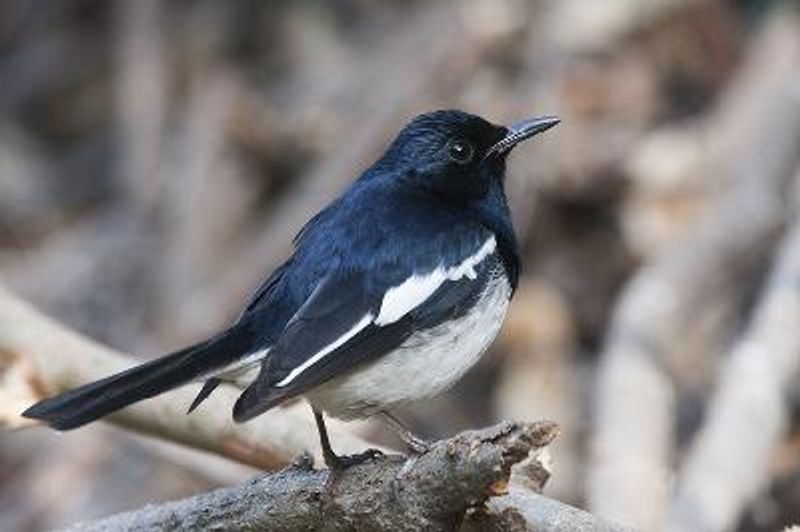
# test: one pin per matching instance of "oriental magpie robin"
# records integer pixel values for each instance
(393, 291)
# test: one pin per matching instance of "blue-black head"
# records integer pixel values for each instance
(453, 154)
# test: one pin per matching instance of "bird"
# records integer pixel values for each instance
(392, 292)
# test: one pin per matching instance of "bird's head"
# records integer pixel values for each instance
(456, 154)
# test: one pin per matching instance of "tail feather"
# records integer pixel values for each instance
(92, 401)
(208, 388)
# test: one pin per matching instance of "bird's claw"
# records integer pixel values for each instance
(417, 445)
(304, 461)
(340, 463)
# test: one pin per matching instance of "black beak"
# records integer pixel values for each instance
(519, 131)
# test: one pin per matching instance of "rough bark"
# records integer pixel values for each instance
(523, 510)
(432, 492)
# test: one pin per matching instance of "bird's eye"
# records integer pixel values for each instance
(460, 151)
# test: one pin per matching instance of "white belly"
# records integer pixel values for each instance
(425, 365)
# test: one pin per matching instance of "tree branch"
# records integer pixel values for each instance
(523, 510)
(432, 492)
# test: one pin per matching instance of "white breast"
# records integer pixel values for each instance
(426, 364)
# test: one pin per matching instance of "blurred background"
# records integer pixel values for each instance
(157, 157)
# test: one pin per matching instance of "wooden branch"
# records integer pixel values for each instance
(432, 492)
(524, 510)
(39, 358)
(728, 464)
(630, 471)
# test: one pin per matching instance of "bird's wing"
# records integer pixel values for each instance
(350, 319)
(262, 295)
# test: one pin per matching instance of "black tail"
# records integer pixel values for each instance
(94, 400)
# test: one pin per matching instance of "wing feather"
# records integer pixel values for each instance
(351, 319)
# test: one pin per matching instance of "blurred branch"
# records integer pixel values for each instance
(749, 414)
(198, 184)
(39, 358)
(141, 99)
(430, 492)
(629, 475)
(592, 26)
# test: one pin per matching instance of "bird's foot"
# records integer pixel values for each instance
(304, 461)
(340, 463)
(417, 445)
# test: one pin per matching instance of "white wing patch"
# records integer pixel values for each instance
(401, 299)
(358, 327)
(240, 368)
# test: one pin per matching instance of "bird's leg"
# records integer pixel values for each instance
(332, 460)
(330, 457)
(418, 445)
